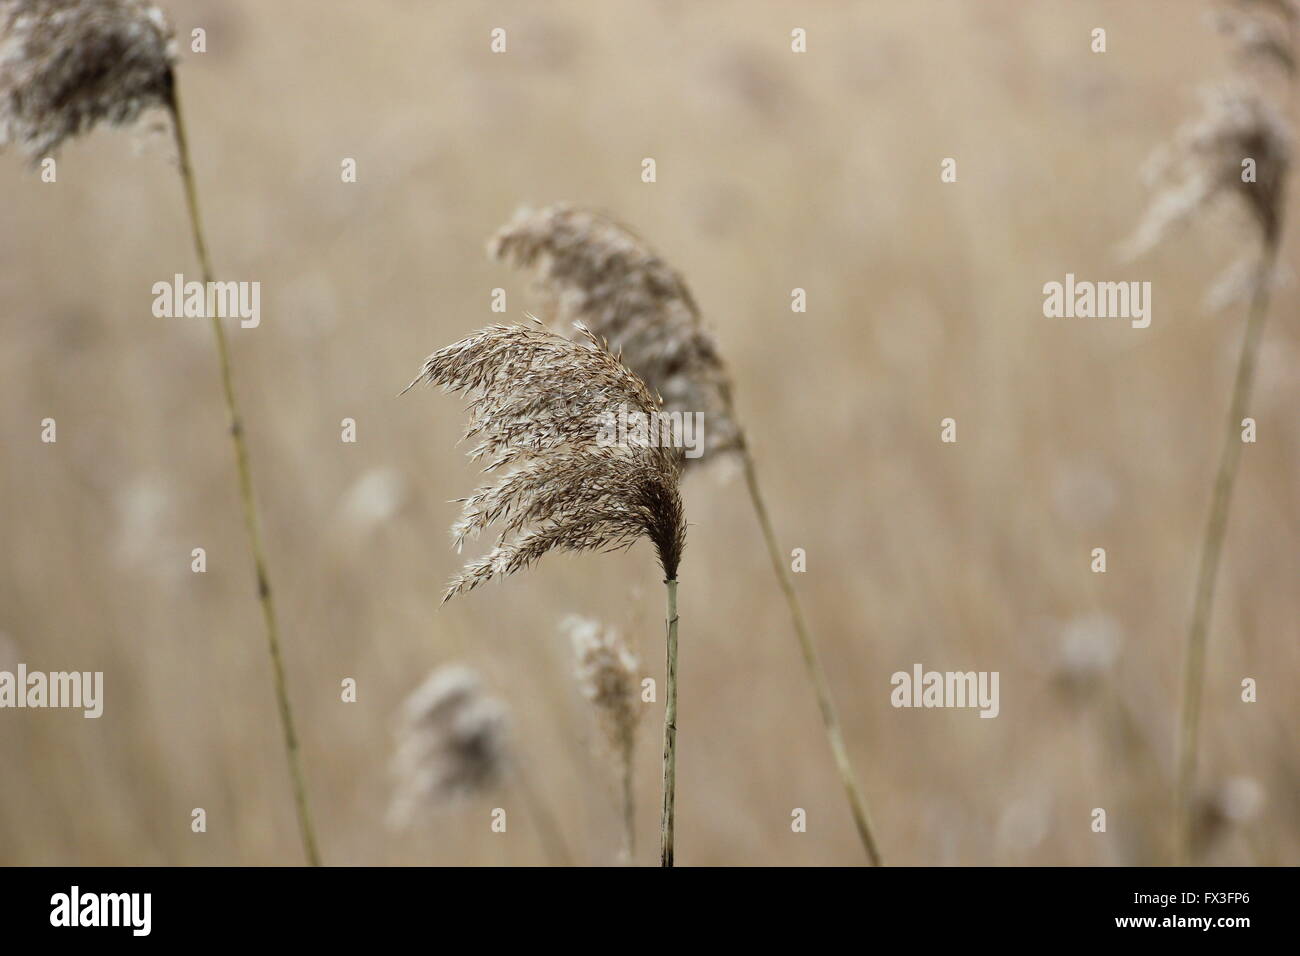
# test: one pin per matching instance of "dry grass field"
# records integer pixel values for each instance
(775, 170)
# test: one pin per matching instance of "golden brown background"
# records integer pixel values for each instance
(775, 170)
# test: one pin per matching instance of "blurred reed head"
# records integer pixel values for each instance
(452, 744)
(1204, 164)
(595, 271)
(1232, 804)
(540, 403)
(1241, 119)
(606, 671)
(1260, 32)
(66, 65)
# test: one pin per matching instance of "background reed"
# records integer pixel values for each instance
(775, 170)
(607, 675)
(1242, 122)
(453, 745)
(67, 65)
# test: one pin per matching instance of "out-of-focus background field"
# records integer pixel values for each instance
(775, 171)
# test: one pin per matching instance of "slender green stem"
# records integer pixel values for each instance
(670, 734)
(246, 497)
(816, 673)
(1212, 547)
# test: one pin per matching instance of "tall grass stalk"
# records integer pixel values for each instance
(1245, 117)
(670, 733)
(1189, 725)
(813, 665)
(245, 479)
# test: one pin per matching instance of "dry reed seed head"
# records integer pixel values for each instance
(66, 65)
(540, 404)
(1261, 33)
(598, 272)
(1205, 164)
(453, 743)
(606, 671)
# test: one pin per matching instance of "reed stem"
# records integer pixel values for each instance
(670, 733)
(246, 495)
(816, 673)
(1212, 547)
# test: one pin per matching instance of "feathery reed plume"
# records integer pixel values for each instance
(65, 66)
(602, 275)
(453, 743)
(1203, 165)
(540, 404)
(1207, 162)
(607, 676)
(599, 272)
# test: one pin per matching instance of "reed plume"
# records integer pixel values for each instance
(607, 675)
(541, 404)
(1205, 166)
(66, 66)
(600, 274)
(453, 744)
(597, 271)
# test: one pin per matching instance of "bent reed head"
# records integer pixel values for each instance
(538, 405)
